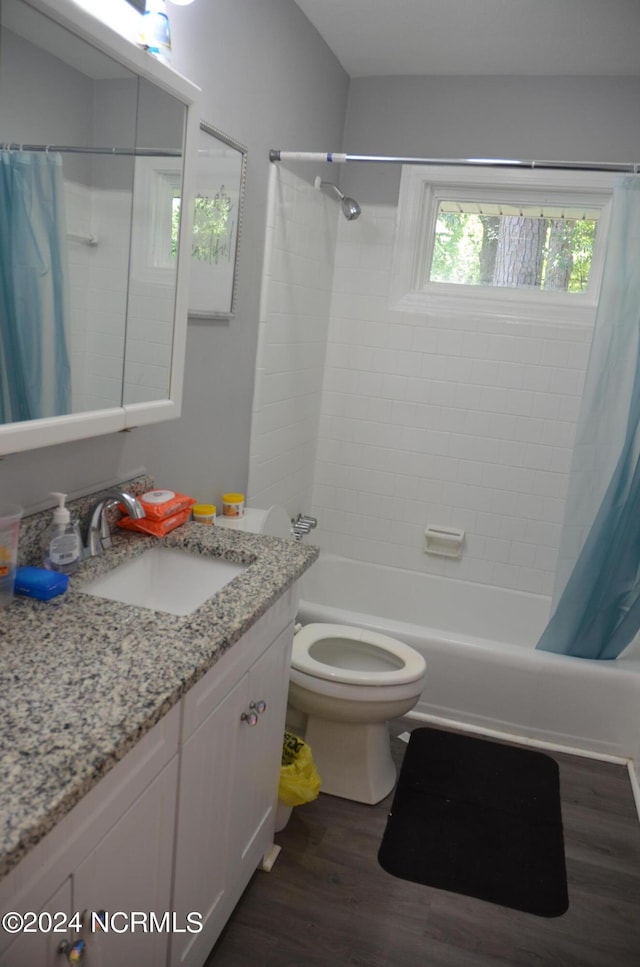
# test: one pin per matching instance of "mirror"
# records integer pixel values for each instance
(92, 149)
(217, 223)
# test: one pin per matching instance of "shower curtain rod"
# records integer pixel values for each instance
(338, 158)
(71, 149)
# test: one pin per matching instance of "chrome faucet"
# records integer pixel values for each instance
(98, 533)
(302, 525)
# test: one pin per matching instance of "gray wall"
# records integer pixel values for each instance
(269, 81)
(541, 118)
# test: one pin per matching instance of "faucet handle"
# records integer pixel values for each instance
(98, 533)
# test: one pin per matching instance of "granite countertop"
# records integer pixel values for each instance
(82, 678)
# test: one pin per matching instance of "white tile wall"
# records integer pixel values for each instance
(98, 294)
(78, 212)
(401, 419)
(100, 304)
(294, 318)
(457, 421)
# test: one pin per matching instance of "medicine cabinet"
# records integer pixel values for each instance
(97, 151)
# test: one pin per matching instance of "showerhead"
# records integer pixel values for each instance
(350, 207)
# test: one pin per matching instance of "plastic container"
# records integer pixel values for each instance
(159, 504)
(62, 544)
(155, 33)
(204, 513)
(40, 583)
(10, 515)
(232, 505)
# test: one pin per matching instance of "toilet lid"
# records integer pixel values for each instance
(276, 522)
(356, 656)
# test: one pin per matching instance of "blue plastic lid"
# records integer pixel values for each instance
(38, 582)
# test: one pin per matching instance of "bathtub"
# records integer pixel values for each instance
(483, 672)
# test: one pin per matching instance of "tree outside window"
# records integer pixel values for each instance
(504, 249)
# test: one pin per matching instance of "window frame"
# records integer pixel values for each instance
(422, 188)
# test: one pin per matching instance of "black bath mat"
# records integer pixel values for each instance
(479, 818)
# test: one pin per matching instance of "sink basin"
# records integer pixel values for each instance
(165, 579)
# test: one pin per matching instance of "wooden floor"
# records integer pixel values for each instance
(328, 902)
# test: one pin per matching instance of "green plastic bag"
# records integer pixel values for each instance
(299, 779)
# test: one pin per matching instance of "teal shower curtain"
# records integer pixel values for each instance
(597, 595)
(35, 375)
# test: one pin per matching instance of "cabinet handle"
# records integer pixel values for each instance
(259, 707)
(75, 952)
(251, 718)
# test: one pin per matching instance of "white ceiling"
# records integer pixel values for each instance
(528, 37)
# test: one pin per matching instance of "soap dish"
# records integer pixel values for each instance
(40, 583)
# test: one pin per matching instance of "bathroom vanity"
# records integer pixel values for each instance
(140, 756)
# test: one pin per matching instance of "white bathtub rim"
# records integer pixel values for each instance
(504, 612)
(544, 600)
(518, 739)
(312, 612)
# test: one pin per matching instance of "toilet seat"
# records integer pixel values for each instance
(376, 659)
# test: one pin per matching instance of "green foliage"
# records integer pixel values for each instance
(175, 226)
(459, 240)
(583, 240)
(212, 227)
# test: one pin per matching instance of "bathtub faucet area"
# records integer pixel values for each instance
(303, 525)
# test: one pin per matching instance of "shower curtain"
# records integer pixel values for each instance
(597, 595)
(35, 376)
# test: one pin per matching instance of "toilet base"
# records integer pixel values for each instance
(353, 760)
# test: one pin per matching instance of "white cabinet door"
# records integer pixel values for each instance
(128, 872)
(259, 756)
(202, 844)
(40, 949)
(228, 788)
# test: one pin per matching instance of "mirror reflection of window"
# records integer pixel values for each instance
(214, 222)
(217, 222)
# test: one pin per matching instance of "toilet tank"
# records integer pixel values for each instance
(273, 522)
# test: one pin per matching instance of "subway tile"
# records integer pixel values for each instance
(457, 369)
(468, 419)
(520, 402)
(485, 372)
(425, 339)
(513, 453)
(406, 363)
(442, 393)
(449, 342)
(511, 375)
(380, 410)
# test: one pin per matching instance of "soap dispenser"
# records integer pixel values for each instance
(62, 545)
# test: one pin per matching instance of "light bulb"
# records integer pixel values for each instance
(181, 3)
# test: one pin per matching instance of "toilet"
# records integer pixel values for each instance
(349, 682)
(345, 684)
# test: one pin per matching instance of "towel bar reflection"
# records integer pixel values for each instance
(91, 240)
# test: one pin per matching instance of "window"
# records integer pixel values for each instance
(521, 243)
(156, 205)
